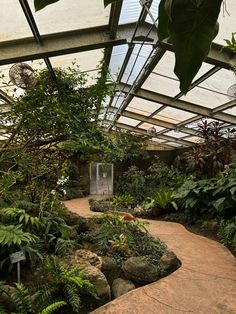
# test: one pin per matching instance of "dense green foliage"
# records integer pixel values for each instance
(122, 236)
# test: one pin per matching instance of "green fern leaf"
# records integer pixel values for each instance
(53, 307)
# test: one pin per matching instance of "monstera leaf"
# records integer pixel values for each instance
(191, 26)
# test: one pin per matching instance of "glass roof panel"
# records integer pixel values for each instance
(136, 62)
(220, 81)
(227, 21)
(231, 111)
(153, 11)
(130, 11)
(117, 59)
(173, 115)
(146, 126)
(66, 15)
(161, 85)
(205, 98)
(128, 121)
(167, 63)
(194, 139)
(176, 134)
(13, 21)
(142, 106)
(118, 100)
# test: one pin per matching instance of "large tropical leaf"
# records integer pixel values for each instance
(193, 26)
(163, 23)
(40, 4)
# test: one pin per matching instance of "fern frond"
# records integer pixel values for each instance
(73, 297)
(64, 246)
(22, 299)
(53, 307)
(14, 235)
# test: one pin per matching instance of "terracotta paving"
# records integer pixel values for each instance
(204, 284)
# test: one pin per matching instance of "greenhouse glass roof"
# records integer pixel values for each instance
(124, 36)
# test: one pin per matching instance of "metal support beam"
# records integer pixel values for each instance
(114, 18)
(67, 42)
(7, 99)
(30, 19)
(180, 104)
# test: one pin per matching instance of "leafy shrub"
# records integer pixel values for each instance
(211, 197)
(106, 206)
(227, 233)
(164, 199)
(124, 200)
(133, 183)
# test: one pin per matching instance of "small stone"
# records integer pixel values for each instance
(168, 263)
(121, 286)
(139, 270)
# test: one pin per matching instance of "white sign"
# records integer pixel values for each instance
(17, 257)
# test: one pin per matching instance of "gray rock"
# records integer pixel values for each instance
(121, 286)
(98, 279)
(168, 263)
(110, 268)
(139, 270)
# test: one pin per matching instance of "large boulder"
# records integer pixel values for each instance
(110, 268)
(81, 256)
(168, 263)
(98, 279)
(121, 286)
(139, 270)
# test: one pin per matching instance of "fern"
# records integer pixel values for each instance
(53, 307)
(26, 205)
(64, 246)
(66, 282)
(14, 235)
(20, 215)
(22, 299)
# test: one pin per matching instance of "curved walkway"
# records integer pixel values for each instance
(204, 284)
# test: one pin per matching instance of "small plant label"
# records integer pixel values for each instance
(17, 257)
